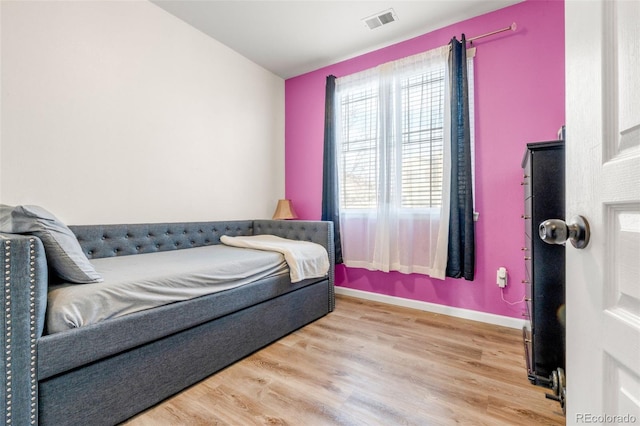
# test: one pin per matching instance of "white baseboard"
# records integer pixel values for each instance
(435, 308)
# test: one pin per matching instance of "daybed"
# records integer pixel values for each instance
(108, 371)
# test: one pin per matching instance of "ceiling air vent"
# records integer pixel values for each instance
(380, 19)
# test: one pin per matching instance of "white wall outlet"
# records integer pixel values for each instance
(501, 277)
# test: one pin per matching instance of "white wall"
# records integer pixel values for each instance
(117, 112)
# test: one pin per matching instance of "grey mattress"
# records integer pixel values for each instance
(138, 282)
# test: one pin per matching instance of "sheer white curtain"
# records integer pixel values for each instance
(392, 155)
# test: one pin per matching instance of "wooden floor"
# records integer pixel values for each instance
(369, 363)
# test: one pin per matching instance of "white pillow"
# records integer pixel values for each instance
(62, 248)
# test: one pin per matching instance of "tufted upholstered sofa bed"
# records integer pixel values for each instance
(106, 372)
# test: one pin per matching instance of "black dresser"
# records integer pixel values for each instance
(544, 334)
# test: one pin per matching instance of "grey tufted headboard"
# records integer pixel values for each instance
(120, 240)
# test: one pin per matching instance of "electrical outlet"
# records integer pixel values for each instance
(501, 277)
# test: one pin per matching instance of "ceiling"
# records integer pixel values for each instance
(293, 37)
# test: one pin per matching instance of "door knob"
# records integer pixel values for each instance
(556, 231)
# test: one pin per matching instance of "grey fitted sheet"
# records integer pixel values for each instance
(138, 282)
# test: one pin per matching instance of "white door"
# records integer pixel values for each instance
(603, 184)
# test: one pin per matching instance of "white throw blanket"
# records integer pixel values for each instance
(305, 259)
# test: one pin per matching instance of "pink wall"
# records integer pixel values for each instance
(519, 80)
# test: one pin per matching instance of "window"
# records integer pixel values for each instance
(392, 139)
(421, 150)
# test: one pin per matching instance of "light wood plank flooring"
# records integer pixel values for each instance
(370, 363)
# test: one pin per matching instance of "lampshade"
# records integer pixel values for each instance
(284, 210)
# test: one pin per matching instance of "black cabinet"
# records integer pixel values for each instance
(544, 334)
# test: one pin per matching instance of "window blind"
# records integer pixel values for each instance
(421, 157)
